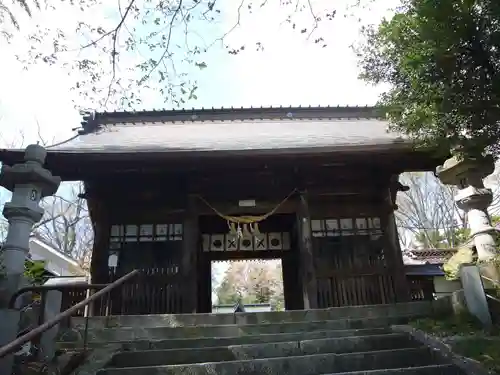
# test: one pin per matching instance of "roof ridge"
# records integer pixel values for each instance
(240, 108)
(94, 120)
(434, 250)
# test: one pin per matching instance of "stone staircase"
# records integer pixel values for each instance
(354, 340)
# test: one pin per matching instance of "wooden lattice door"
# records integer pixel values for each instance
(350, 261)
(156, 250)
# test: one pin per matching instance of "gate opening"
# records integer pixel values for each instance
(258, 284)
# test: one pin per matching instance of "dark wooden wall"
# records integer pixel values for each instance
(331, 270)
(421, 288)
(356, 260)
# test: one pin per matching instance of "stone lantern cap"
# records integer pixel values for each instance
(456, 169)
(30, 172)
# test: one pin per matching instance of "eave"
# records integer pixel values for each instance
(77, 166)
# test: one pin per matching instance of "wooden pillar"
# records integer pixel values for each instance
(394, 253)
(100, 250)
(306, 259)
(99, 270)
(204, 284)
(289, 264)
(190, 250)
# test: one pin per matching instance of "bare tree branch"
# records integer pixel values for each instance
(426, 209)
(236, 24)
(165, 51)
(106, 67)
(114, 52)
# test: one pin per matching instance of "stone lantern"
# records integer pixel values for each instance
(29, 183)
(467, 174)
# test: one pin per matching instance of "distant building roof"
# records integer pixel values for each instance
(66, 280)
(56, 262)
(430, 256)
(424, 270)
(229, 309)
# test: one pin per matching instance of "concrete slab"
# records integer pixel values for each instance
(421, 308)
(127, 334)
(263, 350)
(296, 365)
(226, 341)
(420, 370)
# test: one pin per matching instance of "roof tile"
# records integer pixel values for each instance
(241, 135)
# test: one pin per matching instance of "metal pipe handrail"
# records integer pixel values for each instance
(490, 280)
(12, 346)
(60, 287)
(492, 297)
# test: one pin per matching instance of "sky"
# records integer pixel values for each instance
(291, 70)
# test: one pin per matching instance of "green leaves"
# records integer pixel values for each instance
(442, 61)
(34, 270)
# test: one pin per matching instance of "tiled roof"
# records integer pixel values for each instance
(92, 120)
(247, 129)
(432, 256)
(127, 136)
(246, 135)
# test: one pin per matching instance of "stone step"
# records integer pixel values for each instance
(420, 370)
(263, 350)
(227, 341)
(421, 308)
(296, 365)
(129, 333)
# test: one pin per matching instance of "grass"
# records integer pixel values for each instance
(470, 339)
(455, 325)
(482, 349)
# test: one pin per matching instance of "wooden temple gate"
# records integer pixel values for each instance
(140, 167)
(341, 260)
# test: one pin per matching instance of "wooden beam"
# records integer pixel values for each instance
(308, 274)
(99, 270)
(233, 208)
(190, 246)
(322, 273)
(337, 207)
(102, 227)
(216, 256)
(235, 185)
(144, 213)
(86, 166)
(393, 250)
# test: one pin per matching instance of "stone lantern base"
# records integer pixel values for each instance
(467, 175)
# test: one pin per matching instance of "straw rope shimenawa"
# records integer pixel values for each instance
(249, 222)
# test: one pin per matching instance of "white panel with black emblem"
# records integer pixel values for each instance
(231, 242)
(260, 242)
(246, 243)
(217, 242)
(275, 241)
